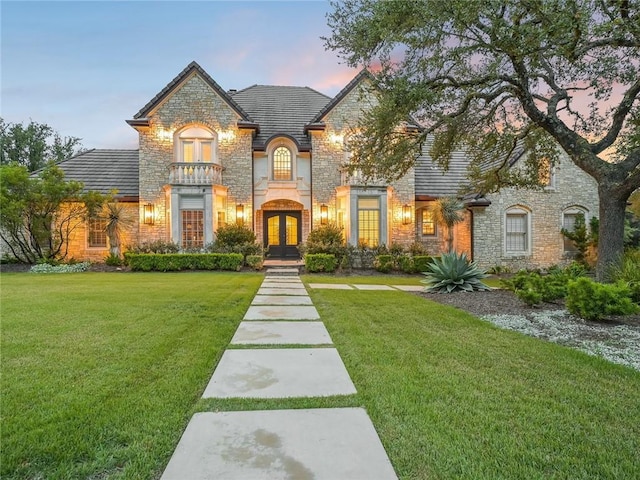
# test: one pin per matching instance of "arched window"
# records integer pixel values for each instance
(517, 231)
(570, 218)
(196, 144)
(282, 164)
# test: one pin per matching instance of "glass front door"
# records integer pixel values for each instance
(282, 232)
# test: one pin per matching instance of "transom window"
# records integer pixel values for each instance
(97, 232)
(428, 222)
(282, 164)
(517, 231)
(192, 228)
(196, 144)
(369, 221)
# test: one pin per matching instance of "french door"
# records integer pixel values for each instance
(282, 232)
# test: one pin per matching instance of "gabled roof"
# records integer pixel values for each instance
(281, 110)
(104, 170)
(364, 73)
(171, 86)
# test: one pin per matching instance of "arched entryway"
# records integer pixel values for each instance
(282, 228)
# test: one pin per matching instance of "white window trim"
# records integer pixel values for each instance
(88, 238)
(518, 210)
(198, 134)
(273, 146)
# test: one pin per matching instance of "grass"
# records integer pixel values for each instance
(453, 397)
(379, 279)
(101, 373)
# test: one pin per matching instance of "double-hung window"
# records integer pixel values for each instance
(517, 234)
(428, 222)
(97, 232)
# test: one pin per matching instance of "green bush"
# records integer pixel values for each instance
(233, 234)
(255, 261)
(157, 246)
(147, 262)
(325, 239)
(533, 288)
(594, 301)
(453, 272)
(414, 264)
(320, 262)
(113, 260)
(422, 262)
(384, 263)
(627, 271)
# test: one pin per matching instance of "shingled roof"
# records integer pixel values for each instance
(281, 110)
(104, 170)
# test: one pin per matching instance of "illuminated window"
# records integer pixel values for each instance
(97, 232)
(282, 165)
(273, 231)
(546, 174)
(192, 228)
(369, 221)
(196, 144)
(517, 226)
(428, 222)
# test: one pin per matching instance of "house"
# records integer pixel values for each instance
(272, 158)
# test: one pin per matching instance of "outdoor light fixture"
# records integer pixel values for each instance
(406, 214)
(324, 214)
(240, 214)
(148, 214)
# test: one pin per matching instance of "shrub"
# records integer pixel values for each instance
(414, 264)
(320, 262)
(233, 234)
(627, 271)
(452, 272)
(255, 261)
(147, 262)
(113, 260)
(157, 246)
(417, 249)
(594, 301)
(533, 288)
(384, 263)
(62, 268)
(325, 239)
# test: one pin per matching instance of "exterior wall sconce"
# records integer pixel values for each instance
(149, 214)
(406, 214)
(324, 214)
(240, 214)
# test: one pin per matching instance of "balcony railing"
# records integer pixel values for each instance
(357, 178)
(187, 173)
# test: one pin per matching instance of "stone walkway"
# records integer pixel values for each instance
(299, 360)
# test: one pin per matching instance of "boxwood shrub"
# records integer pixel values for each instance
(172, 262)
(415, 263)
(384, 263)
(320, 262)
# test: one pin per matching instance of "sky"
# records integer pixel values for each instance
(85, 67)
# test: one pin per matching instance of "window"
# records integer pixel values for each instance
(196, 144)
(97, 229)
(569, 220)
(546, 173)
(369, 221)
(192, 228)
(282, 165)
(428, 222)
(517, 231)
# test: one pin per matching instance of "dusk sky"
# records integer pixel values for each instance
(86, 67)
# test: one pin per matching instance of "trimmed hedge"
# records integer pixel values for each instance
(320, 262)
(172, 262)
(415, 264)
(384, 263)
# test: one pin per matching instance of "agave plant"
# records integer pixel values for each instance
(452, 272)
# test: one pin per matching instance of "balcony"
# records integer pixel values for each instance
(187, 173)
(357, 179)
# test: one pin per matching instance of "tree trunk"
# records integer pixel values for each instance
(613, 204)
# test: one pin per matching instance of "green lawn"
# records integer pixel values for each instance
(101, 373)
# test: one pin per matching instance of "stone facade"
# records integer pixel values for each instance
(572, 189)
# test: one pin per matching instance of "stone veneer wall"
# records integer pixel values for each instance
(192, 103)
(328, 155)
(573, 188)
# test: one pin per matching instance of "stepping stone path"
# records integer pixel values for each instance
(305, 444)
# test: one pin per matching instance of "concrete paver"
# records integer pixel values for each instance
(276, 284)
(409, 288)
(330, 286)
(282, 312)
(276, 278)
(280, 373)
(282, 291)
(373, 287)
(319, 444)
(281, 300)
(281, 332)
(283, 271)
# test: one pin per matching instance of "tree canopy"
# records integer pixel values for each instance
(34, 145)
(492, 76)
